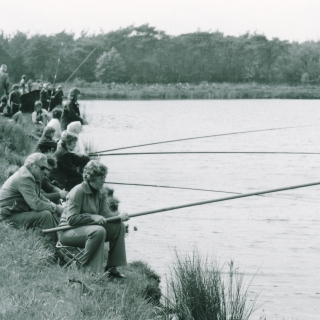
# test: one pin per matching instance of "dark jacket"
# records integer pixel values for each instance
(71, 112)
(14, 101)
(45, 145)
(66, 173)
(44, 98)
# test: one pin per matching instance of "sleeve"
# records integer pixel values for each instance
(66, 162)
(105, 209)
(75, 216)
(36, 202)
(34, 116)
(80, 160)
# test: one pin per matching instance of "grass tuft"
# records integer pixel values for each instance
(196, 290)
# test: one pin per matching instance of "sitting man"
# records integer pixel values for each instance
(21, 201)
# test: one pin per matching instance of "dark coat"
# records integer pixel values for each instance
(14, 101)
(44, 98)
(66, 173)
(45, 145)
(70, 113)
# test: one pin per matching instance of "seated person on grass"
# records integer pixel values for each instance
(46, 142)
(21, 201)
(40, 115)
(69, 165)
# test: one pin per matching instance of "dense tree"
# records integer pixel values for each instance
(143, 54)
(110, 67)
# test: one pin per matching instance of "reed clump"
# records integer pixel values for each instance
(197, 290)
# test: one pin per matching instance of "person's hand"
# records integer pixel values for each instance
(59, 209)
(124, 216)
(63, 194)
(98, 219)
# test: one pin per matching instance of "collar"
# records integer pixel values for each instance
(87, 189)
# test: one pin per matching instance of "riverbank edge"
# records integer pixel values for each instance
(181, 91)
(32, 260)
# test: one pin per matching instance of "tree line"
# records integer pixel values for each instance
(146, 55)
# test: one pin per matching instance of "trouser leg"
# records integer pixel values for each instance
(36, 219)
(92, 239)
(117, 247)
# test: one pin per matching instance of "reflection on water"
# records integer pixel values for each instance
(275, 239)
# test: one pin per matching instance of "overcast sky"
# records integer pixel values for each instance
(293, 20)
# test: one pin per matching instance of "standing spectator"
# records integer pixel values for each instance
(5, 109)
(44, 97)
(29, 85)
(14, 99)
(36, 85)
(55, 123)
(71, 111)
(40, 115)
(57, 98)
(23, 84)
(4, 81)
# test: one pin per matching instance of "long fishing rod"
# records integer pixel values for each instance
(196, 189)
(201, 137)
(80, 65)
(55, 75)
(244, 195)
(199, 152)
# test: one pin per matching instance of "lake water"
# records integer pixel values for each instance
(275, 240)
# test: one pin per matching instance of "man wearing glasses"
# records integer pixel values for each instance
(21, 201)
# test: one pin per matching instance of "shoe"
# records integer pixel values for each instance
(113, 272)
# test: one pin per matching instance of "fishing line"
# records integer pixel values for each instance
(201, 137)
(206, 190)
(200, 152)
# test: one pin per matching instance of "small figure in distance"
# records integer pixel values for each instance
(14, 99)
(71, 111)
(55, 123)
(44, 97)
(4, 81)
(23, 84)
(40, 115)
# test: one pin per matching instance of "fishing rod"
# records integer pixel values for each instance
(201, 137)
(197, 189)
(55, 75)
(244, 195)
(199, 152)
(80, 65)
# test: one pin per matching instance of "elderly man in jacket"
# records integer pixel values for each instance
(21, 201)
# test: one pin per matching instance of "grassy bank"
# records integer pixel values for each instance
(34, 286)
(206, 90)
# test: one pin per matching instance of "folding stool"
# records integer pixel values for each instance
(74, 253)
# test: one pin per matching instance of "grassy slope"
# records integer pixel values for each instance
(33, 286)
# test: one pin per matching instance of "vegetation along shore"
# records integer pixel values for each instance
(34, 286)
(204, 90)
